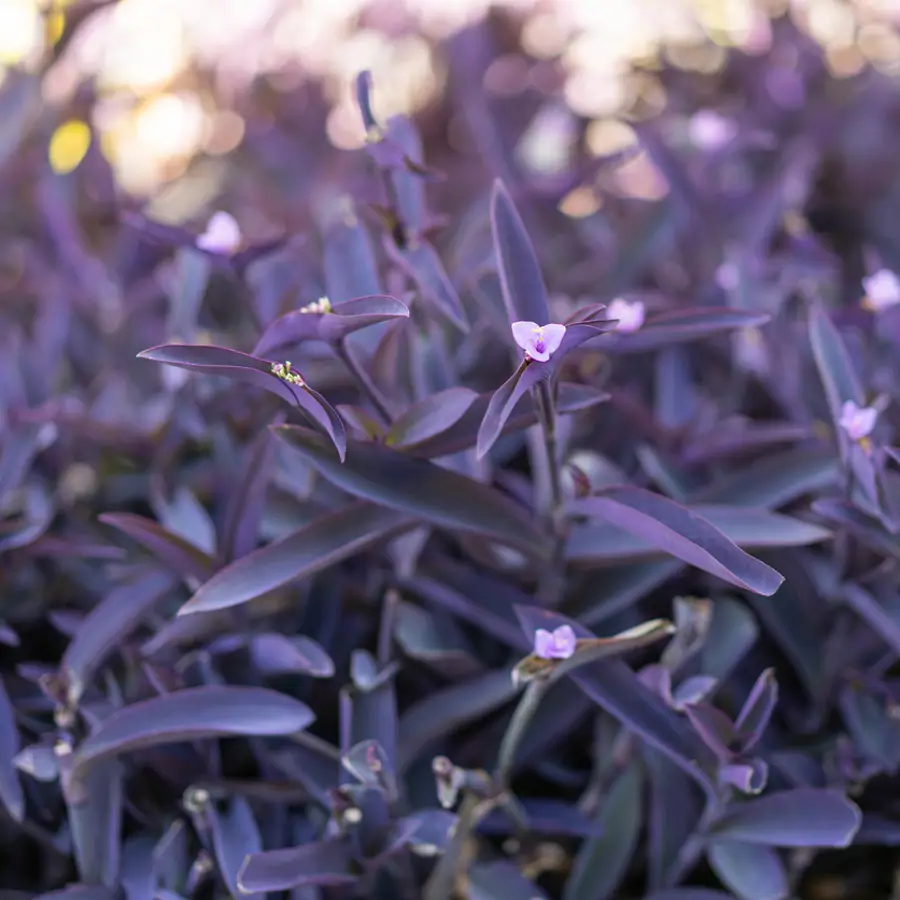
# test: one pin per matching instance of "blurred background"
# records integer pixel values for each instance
(164, 85)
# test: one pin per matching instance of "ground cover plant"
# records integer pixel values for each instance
(439, 542)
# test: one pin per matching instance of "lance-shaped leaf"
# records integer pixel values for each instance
(527, 376)
(682, 326)
(804, 817)
(235, 836)
(11, 792)
(250, 369)
(752, 871)
(757, 710)
(838, 376)
(419, 488)
(174, 551)
(350, 266)
(327, 540)
(120, 611)
(463, 433)
(520, 274)
(431, 416)
(682, 533)
(420, 262)
(332, 326)
(323, 863)
(192, 714)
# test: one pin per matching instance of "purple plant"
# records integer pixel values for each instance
(471, 530)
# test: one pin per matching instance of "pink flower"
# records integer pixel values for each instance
(222, 235)
(857, 421)
(630, 315)
(558, 644)
(882, 290)
(708, 130)
(539, 342)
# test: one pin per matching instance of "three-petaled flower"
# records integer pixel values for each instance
(882, 290)
(557, 644)
(539, 342)
(630, 315)
(222, 235)
(857, 421)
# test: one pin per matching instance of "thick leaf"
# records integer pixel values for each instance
(804, 817)
(192, 714)
(323, 863)
(343, 319)
(250, 369)
(520, 274)
(243, 514)
(326, 540)
(111, 620)
(235, 837)
(752, 871)
(883, 621)
(278, 653)
(757, 710)
(431, 416)
(713, 726)
(95, 817)
(11, 792)
(350, 266)
(603, 861)
(419, 488)
(178, 554)
(681, 532)
(500, 880)
(838, 376)
(680, 326)
(185, 516)
(420, 262)
(527, 376)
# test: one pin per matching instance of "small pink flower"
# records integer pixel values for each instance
(539, 342)
(708, 130)
(558, 644)
(630, 315)
(882, 290)
(857, 421)
(222, 235)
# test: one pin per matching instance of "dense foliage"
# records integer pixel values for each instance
(438, 543)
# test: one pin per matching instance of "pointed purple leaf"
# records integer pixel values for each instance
(752, 871)
(681, 532)
(804, 817)
(235, 836)
(681, 326)
(11, 792)
(324, 863)
(174, 551)
(836, 370)
(431, 416)
(193, 714)
(325, 541)
(277, 653)
(757, 710)
(714, 727)
(343, 319)
(419, 488)
(252, 370)
(520, 274)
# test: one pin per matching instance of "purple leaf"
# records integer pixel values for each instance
(420, 262)
(193, 714)
(419, 488)
(752, 871)
(324, 863)
(681, 532)
(501, 879)
(804, 817)
(250, 369)
(235, 836)
(243, 514)
(603, 861)
(429, 417)
(757, 710)
(689, 893)
(681, 326)
(344, 318)
(175, 552)
(104, 627)
(11, 792)
(750, 778)
(350, 266)
(325, 541)
(520, 274)
(277, 653)
(95, 816)
(836, 370)
(714, 727)
(528, 375)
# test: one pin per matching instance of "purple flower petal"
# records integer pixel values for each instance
(523, 332)
(543, 644)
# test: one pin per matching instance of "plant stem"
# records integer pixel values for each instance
(515, 731)
(552, 581)
(366, 384)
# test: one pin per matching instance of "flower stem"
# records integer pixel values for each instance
(552, 581)
(368, 387)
